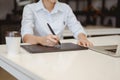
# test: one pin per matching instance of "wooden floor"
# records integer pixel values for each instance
(5, 75)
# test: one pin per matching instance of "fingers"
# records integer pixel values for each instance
(85, 43)
(52, 40)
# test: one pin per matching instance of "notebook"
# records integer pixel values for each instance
(44, 49)
(111, 50)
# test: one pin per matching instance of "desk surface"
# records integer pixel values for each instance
(95, 31)
(70, 65)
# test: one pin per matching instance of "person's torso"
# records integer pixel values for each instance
(56, 19)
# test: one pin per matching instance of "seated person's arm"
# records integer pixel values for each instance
(77, 29)
(28, 38)
(27, 30)
(49, 40)
(83, 41)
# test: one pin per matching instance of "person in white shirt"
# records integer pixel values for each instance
(58, 15)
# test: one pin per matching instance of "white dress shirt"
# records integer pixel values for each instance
(36, 17)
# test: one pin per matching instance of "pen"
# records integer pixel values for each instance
(53, 32)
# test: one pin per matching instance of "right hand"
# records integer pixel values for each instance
(49, 40)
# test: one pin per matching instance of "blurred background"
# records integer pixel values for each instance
(93, 13)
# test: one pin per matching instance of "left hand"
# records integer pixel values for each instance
(85, 43)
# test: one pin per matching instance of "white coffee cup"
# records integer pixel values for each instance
(13, 40)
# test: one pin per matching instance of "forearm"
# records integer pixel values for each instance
(49, 40)
(28, 38)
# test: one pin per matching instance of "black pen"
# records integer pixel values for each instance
(53, 32)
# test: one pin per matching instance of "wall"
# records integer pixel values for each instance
(6, 6)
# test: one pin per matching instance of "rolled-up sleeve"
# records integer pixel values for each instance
(27, 21)
(73, 24)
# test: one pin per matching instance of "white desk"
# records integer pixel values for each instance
(95, 32)
(73, 65)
